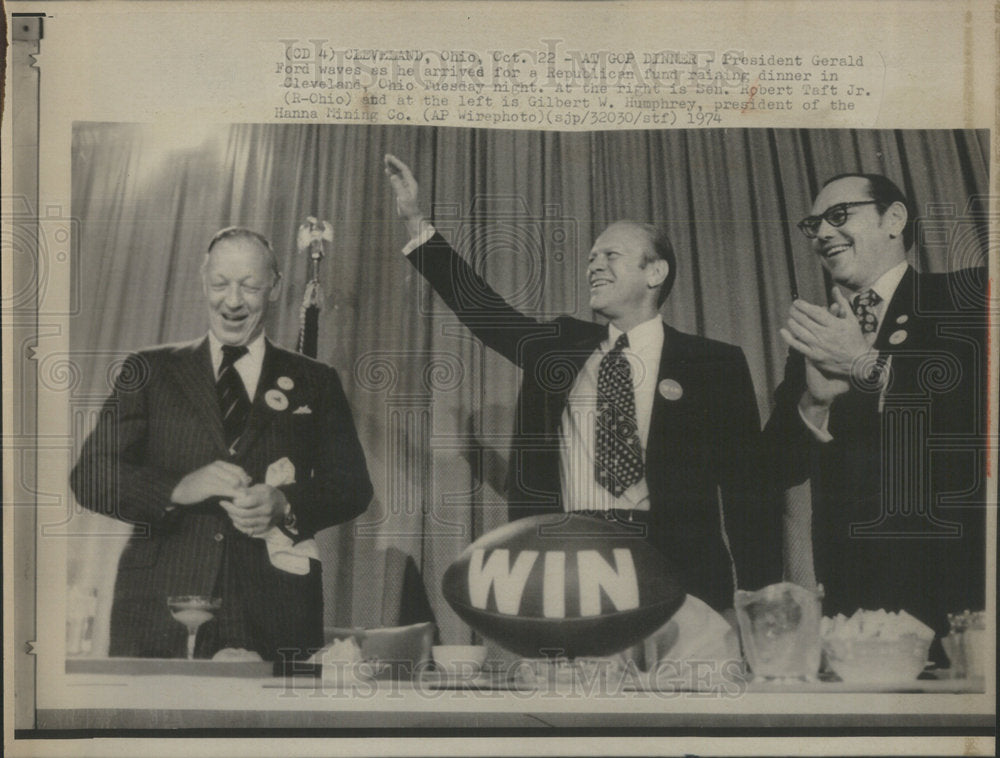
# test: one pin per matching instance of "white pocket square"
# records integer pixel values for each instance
(302, 409)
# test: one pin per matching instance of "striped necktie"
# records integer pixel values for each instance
(233, 401)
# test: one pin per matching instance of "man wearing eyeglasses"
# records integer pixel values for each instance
(883, 408)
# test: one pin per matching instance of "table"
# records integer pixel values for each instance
(114, 694)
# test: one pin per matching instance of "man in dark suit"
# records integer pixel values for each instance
(654, 449)
(883, 408)
(227, 454)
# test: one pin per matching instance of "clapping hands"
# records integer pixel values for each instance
(830, 338)
(834, 348)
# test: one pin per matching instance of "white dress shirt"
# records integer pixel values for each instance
(577, 459)
(247, 366)
(421, 239)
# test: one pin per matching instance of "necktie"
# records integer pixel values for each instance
(864, 309)
(618, 454)
(863, 306)
(233, 400)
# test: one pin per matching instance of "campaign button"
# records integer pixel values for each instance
(276, 400)
(671, 389)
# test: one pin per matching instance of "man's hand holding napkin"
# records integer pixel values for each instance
(261, 507)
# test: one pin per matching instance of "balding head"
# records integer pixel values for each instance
(240, 280)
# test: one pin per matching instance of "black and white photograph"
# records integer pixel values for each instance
(393, 430)
(461, 425)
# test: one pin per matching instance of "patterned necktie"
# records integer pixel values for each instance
(617, 452)
(864, 309)
(233, 400)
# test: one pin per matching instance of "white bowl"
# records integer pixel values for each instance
(463, 660)
(877, 660)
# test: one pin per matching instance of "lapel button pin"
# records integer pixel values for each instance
(671, 389)
(276, 400)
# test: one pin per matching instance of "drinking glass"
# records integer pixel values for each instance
(193, 611)
(780, 630)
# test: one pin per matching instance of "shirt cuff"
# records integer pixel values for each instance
(820, 432)
(421, 239)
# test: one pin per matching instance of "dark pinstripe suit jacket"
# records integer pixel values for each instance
(162, 422)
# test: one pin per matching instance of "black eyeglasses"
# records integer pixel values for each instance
(835, 215)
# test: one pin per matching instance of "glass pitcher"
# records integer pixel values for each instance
(779, 625)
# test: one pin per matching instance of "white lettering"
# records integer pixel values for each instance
(620, 583)
(554, 586)
(508, 584)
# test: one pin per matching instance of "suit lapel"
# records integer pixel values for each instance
(901, 310)
(261, 414)
(580, 350)
(899, 322)
(673, 367)
(192, 368)
(584, 347)
(672, 424)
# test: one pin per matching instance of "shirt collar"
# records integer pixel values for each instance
(648, 332)
(255, 350)
(885, 286)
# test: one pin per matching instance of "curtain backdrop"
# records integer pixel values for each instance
(433, 407)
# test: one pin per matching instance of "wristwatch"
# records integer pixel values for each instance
(290, 519)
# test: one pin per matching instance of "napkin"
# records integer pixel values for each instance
(697, 649)
(339, 652)
(284, 554)
(695, 633)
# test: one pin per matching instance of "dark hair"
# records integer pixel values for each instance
(885, 192)
(663, 249)
(240, 232)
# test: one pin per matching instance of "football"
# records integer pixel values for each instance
(563, 585)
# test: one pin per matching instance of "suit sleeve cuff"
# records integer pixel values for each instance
(152, 490)
(421, 239)
(289, 525)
